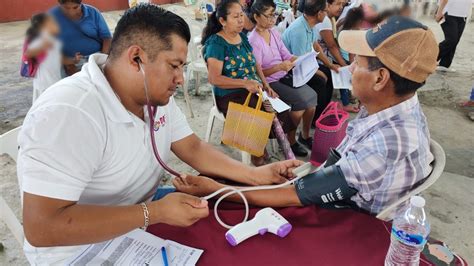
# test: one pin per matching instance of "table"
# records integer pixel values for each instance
(319, 237)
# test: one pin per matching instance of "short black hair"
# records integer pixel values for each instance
(150, 27)
(36, 23)
(62, 2)
(259, 7)
(402, 85)
(313, 7)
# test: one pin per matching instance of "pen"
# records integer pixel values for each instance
(164, 256)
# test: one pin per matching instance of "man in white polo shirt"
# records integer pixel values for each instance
(454, 13)
(86, 163)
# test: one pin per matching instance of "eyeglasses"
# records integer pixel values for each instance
(271, 17)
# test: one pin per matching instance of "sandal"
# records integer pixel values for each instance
(259, 161)
(466, 104)
(351, 109)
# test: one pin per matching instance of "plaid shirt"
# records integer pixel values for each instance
(386, 155)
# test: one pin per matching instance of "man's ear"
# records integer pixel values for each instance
(382, 79)
(134, 52)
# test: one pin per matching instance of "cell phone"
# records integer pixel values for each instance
(442, 21)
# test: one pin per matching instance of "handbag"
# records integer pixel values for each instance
(247, 128)
(330, 131)
(29, 66)
(288, 79)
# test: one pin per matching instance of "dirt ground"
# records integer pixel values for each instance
(449, 201)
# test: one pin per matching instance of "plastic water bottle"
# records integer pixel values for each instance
(410, 231)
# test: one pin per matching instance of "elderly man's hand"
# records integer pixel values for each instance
(275, 173)
(198, 186)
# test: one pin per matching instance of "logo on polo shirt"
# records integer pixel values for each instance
(159, 123)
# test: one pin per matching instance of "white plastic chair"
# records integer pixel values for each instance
(207, 8)
(438, 167)
(9, 145)
(196, 65)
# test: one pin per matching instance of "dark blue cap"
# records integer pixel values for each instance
(390, 27)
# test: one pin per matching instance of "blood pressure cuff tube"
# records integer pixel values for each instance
(333, 158)
(324, 187)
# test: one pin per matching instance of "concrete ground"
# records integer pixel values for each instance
(450, 203)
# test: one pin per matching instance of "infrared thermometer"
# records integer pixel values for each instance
(266, 220)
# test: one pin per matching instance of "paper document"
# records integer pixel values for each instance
(305, 68)
(136, 248)
(278, 105)
(342, 80)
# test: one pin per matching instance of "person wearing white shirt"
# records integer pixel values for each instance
(328, 42)
(454, 13)
(86, 166)
(43, 47)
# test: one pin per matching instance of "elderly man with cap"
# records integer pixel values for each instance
(386, 152)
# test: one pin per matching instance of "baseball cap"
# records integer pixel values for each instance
(403, 45)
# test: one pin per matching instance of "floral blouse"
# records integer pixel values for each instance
(239, 62)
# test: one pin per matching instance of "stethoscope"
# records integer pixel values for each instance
(151, 116)
(300, 171)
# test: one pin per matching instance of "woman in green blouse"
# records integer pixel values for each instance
(232, 67)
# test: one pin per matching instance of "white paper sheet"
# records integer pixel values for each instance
(136, 248)
(277, 104)
(342, 80)
(305, 68)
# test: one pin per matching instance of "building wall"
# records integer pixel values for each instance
(13, 10)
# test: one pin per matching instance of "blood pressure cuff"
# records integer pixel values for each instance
(325, 188)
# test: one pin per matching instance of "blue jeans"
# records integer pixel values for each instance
(345, 97)
(163, 191)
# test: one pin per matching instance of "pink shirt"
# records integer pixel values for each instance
(269, 55)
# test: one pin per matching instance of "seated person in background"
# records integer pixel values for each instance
(249, 25)
(232, 67)
(275, 61)
(386, 152)
(83, 31)
(301, 38)
(327, 40)
(353, 21)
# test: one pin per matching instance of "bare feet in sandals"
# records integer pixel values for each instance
(351, 109)
(198, 186)
(467, 104)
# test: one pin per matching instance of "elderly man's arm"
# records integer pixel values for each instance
(201, 186)
(211, 162)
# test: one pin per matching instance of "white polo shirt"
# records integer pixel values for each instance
(458, 8)
(79, 143)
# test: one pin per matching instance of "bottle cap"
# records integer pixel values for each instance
(417, 201)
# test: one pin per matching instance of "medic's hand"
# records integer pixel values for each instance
(274, 173)
(199, 186)
(178, 209)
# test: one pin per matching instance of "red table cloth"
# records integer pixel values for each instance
(319, 237)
